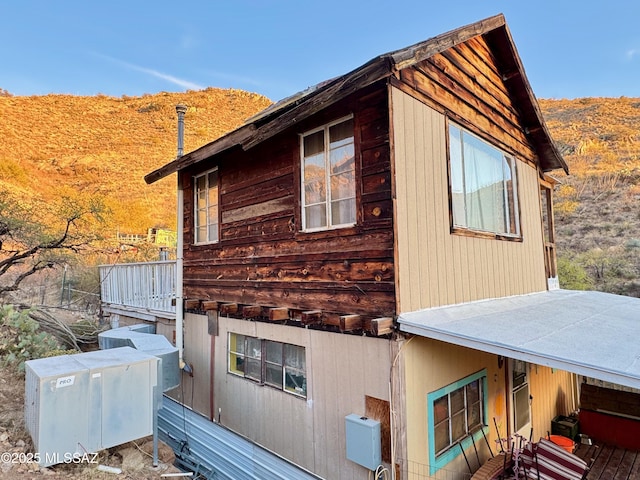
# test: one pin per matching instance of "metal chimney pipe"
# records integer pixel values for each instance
(181, 109)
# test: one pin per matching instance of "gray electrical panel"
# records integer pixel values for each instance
(83, 403)
(363, 441)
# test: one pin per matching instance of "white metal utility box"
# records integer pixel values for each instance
(83, 403)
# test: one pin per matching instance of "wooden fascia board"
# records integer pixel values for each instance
(249, 136)
(518, 83)
(232, 139)
(417, 53)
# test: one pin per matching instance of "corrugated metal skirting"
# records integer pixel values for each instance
(218, 453)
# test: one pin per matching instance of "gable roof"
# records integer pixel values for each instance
(287, 112)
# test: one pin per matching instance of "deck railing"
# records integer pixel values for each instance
(146, 285)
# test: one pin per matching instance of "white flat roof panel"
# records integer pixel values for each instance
(590, 333)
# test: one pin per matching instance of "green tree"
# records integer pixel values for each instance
(38, 235)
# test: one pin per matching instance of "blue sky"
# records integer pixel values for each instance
(569, 48)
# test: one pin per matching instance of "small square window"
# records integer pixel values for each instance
(456, 413)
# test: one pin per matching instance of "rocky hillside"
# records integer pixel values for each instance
(597, 207)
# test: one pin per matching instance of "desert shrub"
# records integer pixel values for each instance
(572, 275)
(566, 207)
(632, 243)
(21, 338)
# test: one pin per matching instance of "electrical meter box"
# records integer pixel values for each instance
(83, 403)
(363, 441)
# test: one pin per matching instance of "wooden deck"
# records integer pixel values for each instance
(610, 463)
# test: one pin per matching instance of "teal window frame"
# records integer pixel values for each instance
(439, 461)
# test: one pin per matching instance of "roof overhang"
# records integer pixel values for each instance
(588, 333)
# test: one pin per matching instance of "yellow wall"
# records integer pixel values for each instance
(431, 365)
(435, 267)
(554, 393)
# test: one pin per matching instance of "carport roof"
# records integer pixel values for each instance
(585, 332)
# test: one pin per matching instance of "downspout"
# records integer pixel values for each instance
(180, 110)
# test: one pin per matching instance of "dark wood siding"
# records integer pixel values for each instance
(466, 83)
(264, 259)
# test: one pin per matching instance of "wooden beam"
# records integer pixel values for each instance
(209, 305)
(227, 309)
(277, 314)
(311, 317)
(332, 319)
(349, 323)
(252, 311)
(192, 304)
(381, 326)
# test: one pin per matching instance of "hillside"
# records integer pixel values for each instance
(597, 207)
(104, 146)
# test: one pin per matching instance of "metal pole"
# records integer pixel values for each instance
(64, 279)
(181, 110)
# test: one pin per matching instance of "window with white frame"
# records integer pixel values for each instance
(276, 364)
(206, 207)
(456, 413)
(484, 193)
(328, 176)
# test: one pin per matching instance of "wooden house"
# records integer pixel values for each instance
(314, 239)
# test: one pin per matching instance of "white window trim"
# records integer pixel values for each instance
(329, 225)
(195, 207)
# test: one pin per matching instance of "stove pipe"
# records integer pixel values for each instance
(181, 110)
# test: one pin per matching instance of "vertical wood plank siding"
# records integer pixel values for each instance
(341, 371)
(435, 267)
(554, 393)
(263, 257)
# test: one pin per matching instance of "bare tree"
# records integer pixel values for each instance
(39, 236)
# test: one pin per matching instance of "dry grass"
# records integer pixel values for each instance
(105, 145)
(598, 206)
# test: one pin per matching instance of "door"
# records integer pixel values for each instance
(520, 397)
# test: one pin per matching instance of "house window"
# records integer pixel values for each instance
(328, 177)
(483, 185)
(206, 206)
(276, 364)
(457, 414)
